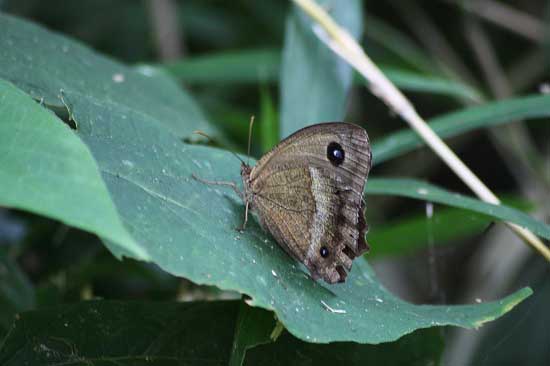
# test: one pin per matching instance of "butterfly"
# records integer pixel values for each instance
(308, 193)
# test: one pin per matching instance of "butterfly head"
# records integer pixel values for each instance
(245, 168)
(245, 171)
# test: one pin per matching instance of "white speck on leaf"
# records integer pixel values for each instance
(146, 70)
(128, 163)
(118, 78)
(336, 311)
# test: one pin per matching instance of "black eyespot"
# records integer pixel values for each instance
(335, 153)
(324, 252)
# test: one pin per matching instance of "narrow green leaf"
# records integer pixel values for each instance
(254, 327)
(262, 66)
(314, 81)
(47, 65)
(399, 44)
(452, 124)
(248, 66)
(405, 236)
(424, 191)
(46, 169)
(419, 83)
(269, 121)
(16, 291)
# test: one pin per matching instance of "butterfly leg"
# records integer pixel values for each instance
(242, 227)
(236, 189)
(220, 183)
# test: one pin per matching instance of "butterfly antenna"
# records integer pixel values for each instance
(249, 139)
(204, 134)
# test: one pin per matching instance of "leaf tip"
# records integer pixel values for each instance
(508, 304)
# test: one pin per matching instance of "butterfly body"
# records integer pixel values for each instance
(307, 192)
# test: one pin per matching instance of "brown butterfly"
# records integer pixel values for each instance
(308, 193)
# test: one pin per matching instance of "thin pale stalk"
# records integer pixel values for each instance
(343, 44)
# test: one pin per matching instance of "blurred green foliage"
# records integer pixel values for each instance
(232, 62)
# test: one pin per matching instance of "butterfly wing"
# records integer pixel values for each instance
(308, 193)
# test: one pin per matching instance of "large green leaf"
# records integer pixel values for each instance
(418, 349)
(123, 333)
(195, 333)
(314, 81)
(48, 66)
(46, 169)
(522, 337)
(452, 124)
(189, 230)
(427, 192)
